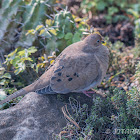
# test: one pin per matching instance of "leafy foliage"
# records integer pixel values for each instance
(18, 16)
(135, 11)
(120, 110)
(112, 8)
(19, 57)
(59, 32)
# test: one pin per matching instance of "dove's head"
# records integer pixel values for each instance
(94, 40)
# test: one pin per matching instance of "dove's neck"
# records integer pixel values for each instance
(87, 48)
(102, 56)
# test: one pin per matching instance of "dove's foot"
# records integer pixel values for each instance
(86, 93)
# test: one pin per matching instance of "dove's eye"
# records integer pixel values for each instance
(98, 41)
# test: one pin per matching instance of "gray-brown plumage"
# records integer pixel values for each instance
(78, 68)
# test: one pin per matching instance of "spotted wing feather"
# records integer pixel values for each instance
(74, 74)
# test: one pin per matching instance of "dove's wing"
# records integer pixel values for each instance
(73, 70)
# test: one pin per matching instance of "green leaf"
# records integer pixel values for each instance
(49, 22)
(60, 35)
(134, 13)
(2, 95)
(112, 10)
(2, 82)
(32, 50)
(32, 32)
(15, 61)
(90, 4)
(2, 70)
(6, 75)
(36, 69)
(26, 58)
(45, 33)
(101, 6)
(21, 53)
(32, 65)
(68, 36)
(12, 53)
(21, 67)
(53, 31)
(108, 19)
(26, 53)
(42, 31)
(17, 71)
(76, 37)
(69, 42)
(39, 27)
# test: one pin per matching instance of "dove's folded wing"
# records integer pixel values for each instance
(75, 74)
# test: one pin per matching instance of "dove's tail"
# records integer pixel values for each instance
(20, 92)
(14, 95)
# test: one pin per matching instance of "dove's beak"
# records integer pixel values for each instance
(103, 41)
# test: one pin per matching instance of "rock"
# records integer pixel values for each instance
(38, 117)
(35, 117)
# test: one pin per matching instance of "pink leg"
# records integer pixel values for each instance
(86, 93)
(93, 92)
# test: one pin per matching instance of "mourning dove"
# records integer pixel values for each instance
(78, 68)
